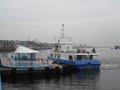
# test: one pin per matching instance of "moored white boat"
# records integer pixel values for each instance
(24, 58)
(64, 53)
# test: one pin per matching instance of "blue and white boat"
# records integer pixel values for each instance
(63, 52)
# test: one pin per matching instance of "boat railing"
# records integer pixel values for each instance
(12, 58)
(72, 51)
(37, 62)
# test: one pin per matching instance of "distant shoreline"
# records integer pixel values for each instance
(13, 49)
(11, 45)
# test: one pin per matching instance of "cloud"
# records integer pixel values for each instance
(87, 21)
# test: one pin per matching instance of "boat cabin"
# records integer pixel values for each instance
(74, 56)
(24, 55)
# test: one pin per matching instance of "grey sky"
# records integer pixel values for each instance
(94, 22)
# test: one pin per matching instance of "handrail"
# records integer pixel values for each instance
(37, 62)
(11, 59)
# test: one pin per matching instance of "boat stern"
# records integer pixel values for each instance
(87, 64)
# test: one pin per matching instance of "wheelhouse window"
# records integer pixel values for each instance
(78, 57)
(81, 57)
(95, 57)
(91, 57)
(25, 56)
(51, 55)
(58, 56)
(86, 57)
(70, 57)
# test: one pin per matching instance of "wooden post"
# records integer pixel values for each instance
(30, 71)
(13, 71)
(47, 71)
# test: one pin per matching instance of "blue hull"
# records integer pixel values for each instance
(80, 64)
(87, 64)
(96, 66)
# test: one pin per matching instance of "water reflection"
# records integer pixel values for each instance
(105, 79)
(85, 80)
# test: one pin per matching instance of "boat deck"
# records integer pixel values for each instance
(7, 63)
(5, 60)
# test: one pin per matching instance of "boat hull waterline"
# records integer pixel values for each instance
(81, 64)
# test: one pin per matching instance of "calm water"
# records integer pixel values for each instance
(108, 78)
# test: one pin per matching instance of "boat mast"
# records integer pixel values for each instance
(62, 31)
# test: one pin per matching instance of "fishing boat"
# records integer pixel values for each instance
(63, 52)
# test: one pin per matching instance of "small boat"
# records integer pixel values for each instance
(25, 58)
(64, 53)
(117, 47)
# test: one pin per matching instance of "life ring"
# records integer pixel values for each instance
(38, 59)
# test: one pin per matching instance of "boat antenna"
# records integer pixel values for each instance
(70, 39)
(62, 30)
